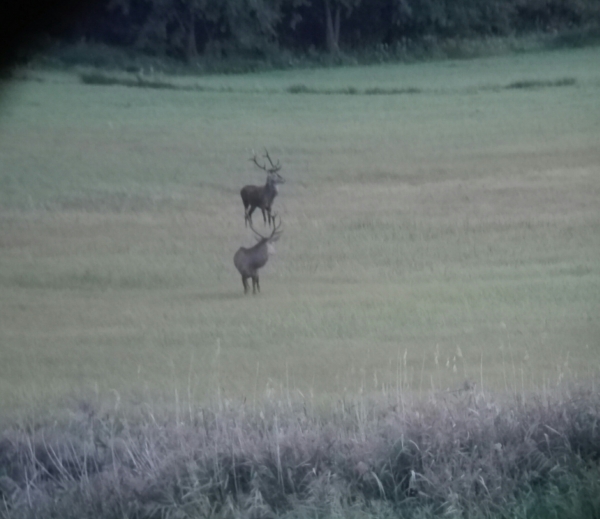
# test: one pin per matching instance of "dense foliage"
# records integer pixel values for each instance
(259, 28)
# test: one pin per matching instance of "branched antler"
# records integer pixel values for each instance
(275, 229)
(274, 167)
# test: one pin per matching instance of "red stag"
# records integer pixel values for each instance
(262, 196)
(249, 260)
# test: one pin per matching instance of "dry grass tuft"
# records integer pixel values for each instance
(462, 454)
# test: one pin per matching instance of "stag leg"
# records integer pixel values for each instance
(248, 215)
(268, 211)
(264, 212)
(245, 283)
(255, 285)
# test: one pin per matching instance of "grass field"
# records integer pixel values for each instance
(429, 237)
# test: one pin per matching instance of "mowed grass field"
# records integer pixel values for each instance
(429, 237)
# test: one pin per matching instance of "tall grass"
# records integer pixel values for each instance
(460, 454)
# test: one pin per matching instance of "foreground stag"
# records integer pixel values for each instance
(249, 260)
(262, 196)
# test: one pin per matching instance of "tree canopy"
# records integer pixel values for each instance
(187, 28)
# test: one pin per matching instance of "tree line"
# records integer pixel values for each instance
(187, 29)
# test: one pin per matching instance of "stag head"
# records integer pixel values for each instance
(272, 238)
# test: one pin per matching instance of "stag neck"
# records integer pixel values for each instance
(271, 184)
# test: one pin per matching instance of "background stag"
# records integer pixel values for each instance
(262, 196)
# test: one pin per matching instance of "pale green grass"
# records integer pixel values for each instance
(428, 238)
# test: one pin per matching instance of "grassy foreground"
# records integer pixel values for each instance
(430, 237)
(457, 455)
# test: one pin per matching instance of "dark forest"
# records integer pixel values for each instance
(261, 29)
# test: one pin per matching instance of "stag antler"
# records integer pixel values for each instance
(272, 235)
(276, 227)
(274, 167)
